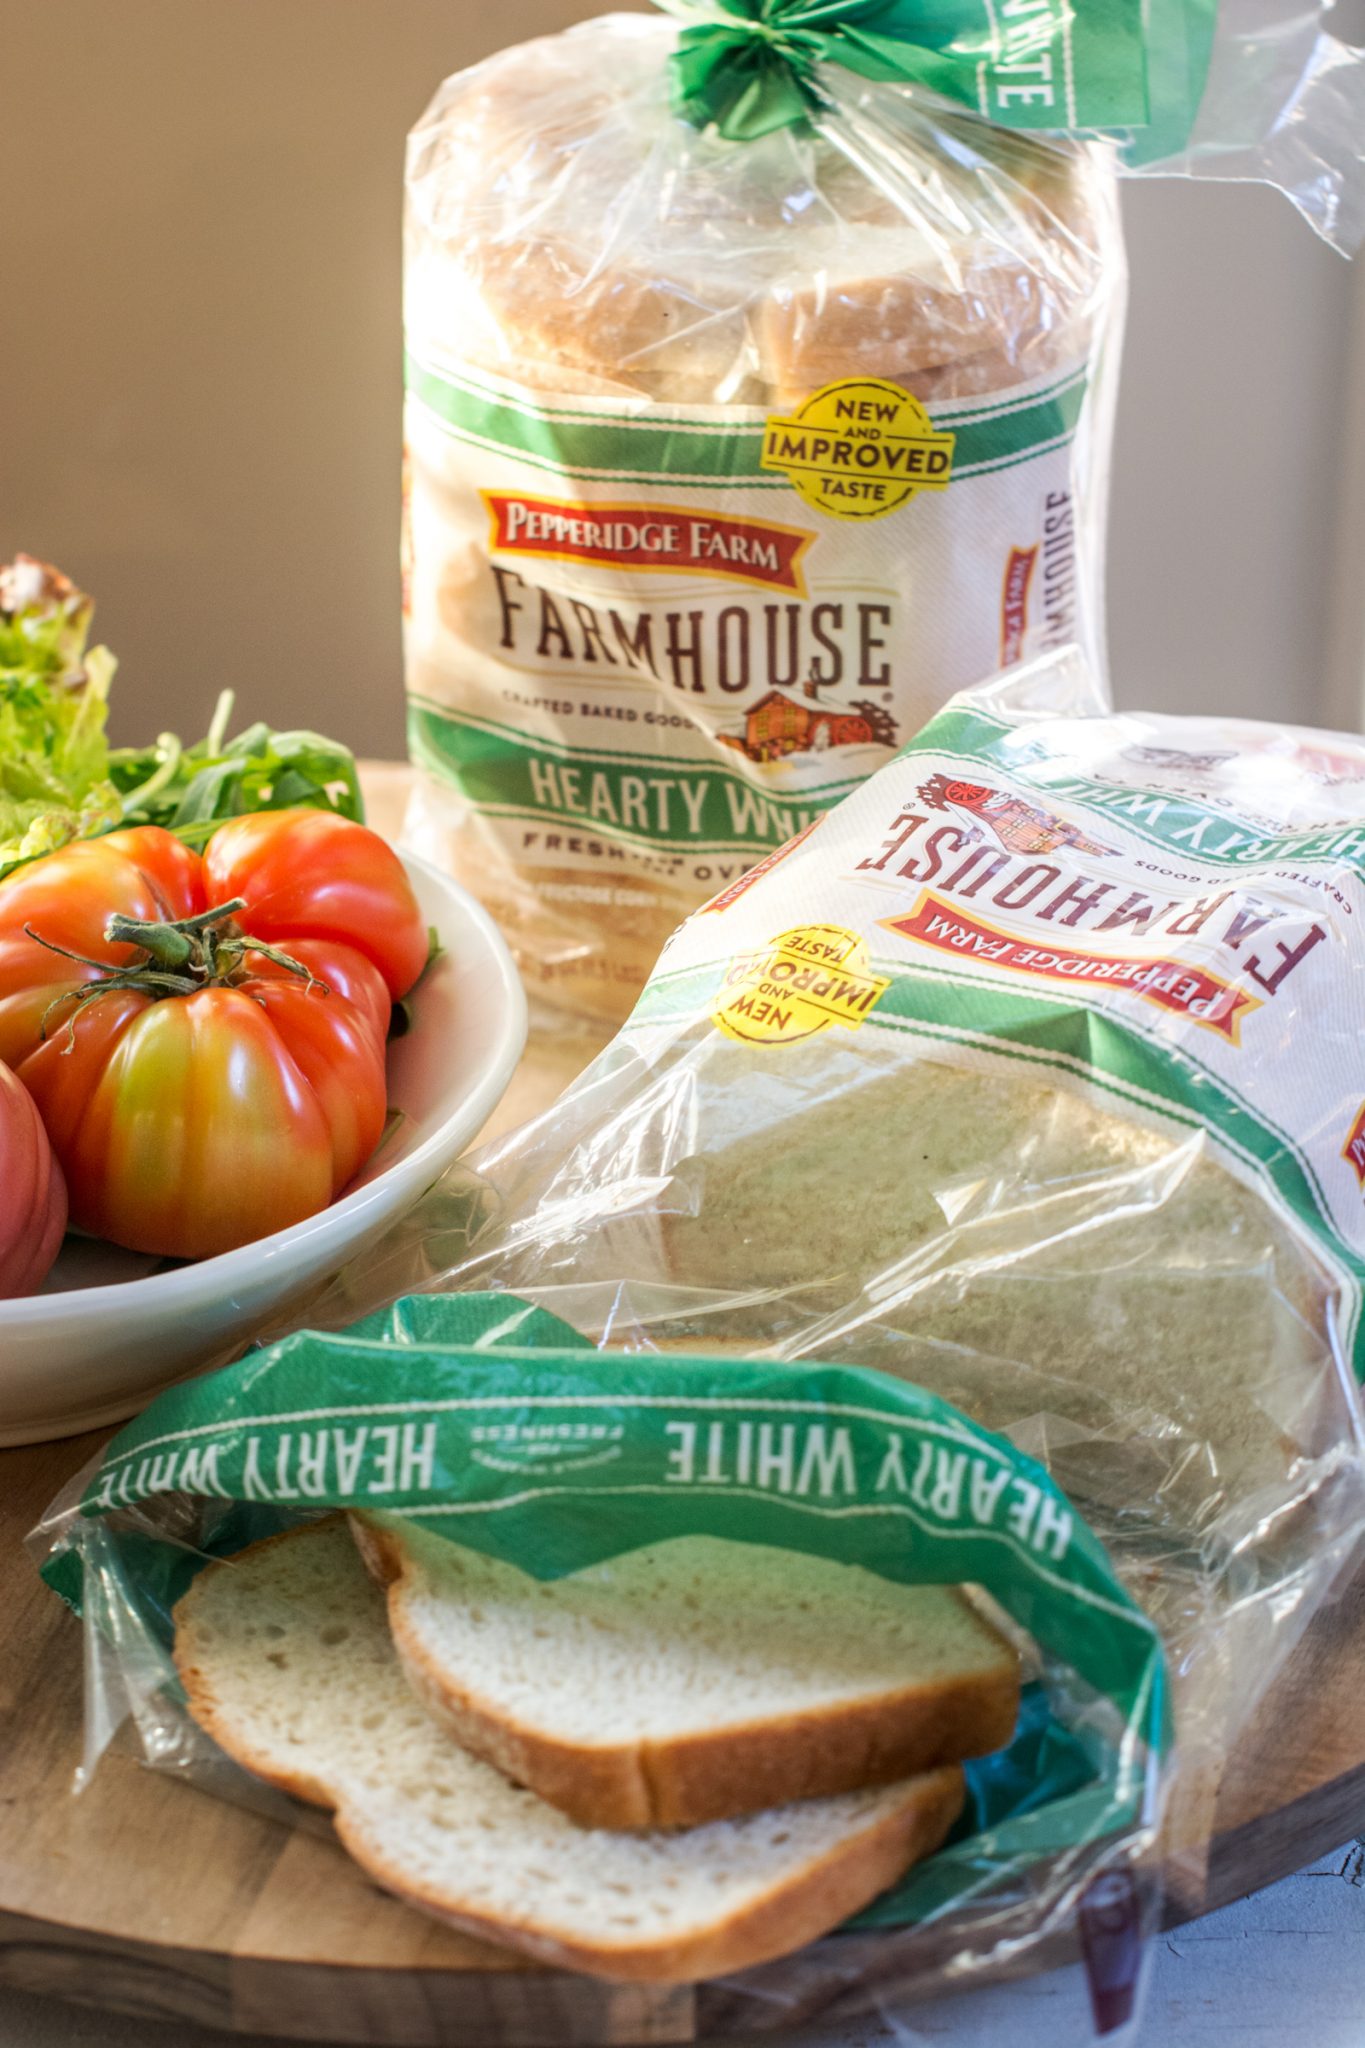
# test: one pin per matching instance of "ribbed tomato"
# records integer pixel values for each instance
(204, 1036)
(32, 1193)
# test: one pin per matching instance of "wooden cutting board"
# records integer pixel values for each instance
(158, 1899)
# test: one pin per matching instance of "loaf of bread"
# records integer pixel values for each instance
(749, 273)
(1037, 1253)
(1099, 1285)
(605, 308)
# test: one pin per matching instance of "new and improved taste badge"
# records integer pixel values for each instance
(804, 981)
(859, 448)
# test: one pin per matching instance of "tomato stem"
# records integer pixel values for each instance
(181, 956)
(172, 943)
(287, 960)
(144, 980)
(81, 959)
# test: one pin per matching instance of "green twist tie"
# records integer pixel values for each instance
(751, 67)
(747, 67)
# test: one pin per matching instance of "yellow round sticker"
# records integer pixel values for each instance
(859, 448)
(803, 981)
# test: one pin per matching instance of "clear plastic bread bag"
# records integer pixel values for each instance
(760, 380)
(1015, 1112)
(727, 461)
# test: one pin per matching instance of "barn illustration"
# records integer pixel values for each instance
(1023, 828)
(777, 725)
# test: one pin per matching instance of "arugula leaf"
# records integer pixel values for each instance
(190, 790)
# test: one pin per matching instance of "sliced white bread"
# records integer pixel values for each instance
(694, 1680)
(286, 1658)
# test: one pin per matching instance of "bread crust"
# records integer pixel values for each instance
(795, 1911)
(714, 1775)
(203, 1700)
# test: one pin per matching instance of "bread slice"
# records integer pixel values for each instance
(694, 1680)
(286, 1659)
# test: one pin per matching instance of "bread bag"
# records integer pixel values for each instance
(760, 376)
(229, 1616)
(726, 462)
(975, 1197)
(1029, 1074)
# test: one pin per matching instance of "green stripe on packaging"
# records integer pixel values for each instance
(1060, 66)
(1176, 823)
(636, 800)
(646, 447)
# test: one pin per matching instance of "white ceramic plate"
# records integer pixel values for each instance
(109, 1328)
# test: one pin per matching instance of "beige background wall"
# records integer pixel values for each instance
(200, 368)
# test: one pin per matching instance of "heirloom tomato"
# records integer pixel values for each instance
(32, 1193)
(204, 1034)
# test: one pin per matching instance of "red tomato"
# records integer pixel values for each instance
(208, 1094)
(310, 872)
(32, 1193)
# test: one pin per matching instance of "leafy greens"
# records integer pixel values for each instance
(54, 759)
(59, 778)
(190, 790)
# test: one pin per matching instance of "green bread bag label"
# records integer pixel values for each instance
(495, 1425)
(655, 641)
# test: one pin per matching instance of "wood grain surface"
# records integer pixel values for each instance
(155, 1898)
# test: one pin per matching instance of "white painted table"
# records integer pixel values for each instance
(1286, 1965)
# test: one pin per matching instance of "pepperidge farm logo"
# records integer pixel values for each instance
(648, 539)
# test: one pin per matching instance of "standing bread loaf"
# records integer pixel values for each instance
(727, 464)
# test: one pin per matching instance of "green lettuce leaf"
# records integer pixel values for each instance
(59, 779)
(54, 759)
